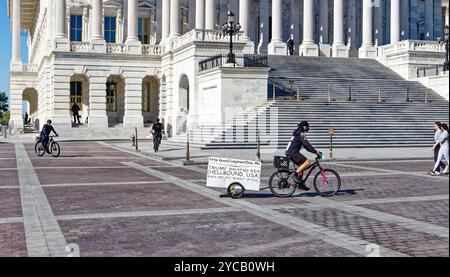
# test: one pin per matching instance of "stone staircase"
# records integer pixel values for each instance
(359, 118)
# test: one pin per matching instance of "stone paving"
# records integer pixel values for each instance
(112, 201)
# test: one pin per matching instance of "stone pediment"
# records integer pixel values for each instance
(112, 4)
(80, 3)
(146, 4)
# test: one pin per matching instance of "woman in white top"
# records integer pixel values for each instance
(443, 152)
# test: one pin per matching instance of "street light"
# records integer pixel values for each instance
(231, 30)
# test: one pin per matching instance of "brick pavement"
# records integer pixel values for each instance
(111, 208)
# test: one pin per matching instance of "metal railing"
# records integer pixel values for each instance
(245, 60)
(430, 71)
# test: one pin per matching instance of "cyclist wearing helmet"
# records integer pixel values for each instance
(293, 152)
(45, 133)
(157, 131)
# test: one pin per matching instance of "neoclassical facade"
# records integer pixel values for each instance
(127, 62)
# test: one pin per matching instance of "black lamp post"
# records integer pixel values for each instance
(446, 41)
(231, 30)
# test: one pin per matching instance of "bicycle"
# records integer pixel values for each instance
(53, 147)
(282, 183)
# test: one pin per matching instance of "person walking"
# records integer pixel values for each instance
(437, 147)
(75, 113)
(290, 46)
(443, 150)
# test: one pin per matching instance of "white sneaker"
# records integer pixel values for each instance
(446, 170)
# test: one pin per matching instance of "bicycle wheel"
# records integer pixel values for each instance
(327, 182)
(236, 190)
(55, 149)
(281, 184)
(39, 149)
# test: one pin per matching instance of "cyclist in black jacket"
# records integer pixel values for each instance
(45, 133)
(293, 152)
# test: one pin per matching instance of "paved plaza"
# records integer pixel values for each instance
(105, 199)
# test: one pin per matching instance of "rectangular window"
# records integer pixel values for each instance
(110, 29)
(76, 27)
(111, 92)
(76, 94)
(144, 30)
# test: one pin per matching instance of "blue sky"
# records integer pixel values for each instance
(5, 48)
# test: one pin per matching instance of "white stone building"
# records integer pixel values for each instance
(127, 62)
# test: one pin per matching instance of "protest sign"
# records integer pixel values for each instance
(222, 172)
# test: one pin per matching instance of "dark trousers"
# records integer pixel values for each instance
(291, 51)
(44, 141)
(76, 117)
(436, 153)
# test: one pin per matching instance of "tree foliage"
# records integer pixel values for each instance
(3, 101)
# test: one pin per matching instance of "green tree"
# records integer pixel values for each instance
(4, 119)
(3, 102)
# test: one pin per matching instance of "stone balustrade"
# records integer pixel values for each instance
(410, 45)
(206, 36)
(115, 48)
(151, 49)
(29, 68)
(79, 46)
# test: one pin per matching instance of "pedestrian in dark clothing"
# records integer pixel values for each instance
(290, 45)
(45, 134)
(25, 120)
(76, 115)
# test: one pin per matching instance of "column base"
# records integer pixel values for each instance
(340, 51)
(133, 47)
(133, 121)
(309, 50)
(98, 122)
(62, 44)
(277, 48)
(98, 46)
(16, 66)
(249, 47)
(367, 52)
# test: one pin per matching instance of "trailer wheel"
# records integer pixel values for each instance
(236, 190)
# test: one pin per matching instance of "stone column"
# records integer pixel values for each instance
(165, 19)
(61, 99)
(378, 25)
(98, 117)
(200, 14)
(210, 14)
(277, 46)
(15, 57)
(263, 26)
(339, 49)
(308, 47)
(429, 19)
(395, 21)
(367, 49)
(133, 101)
(98, 43)
(244, 7)
(61, 40)
(191, 15)
(85, 24)
(294, 21)
(133, 45)
(174, 18)
(158, 20)
(323, 22)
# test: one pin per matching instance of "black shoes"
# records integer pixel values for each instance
(300, 183)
